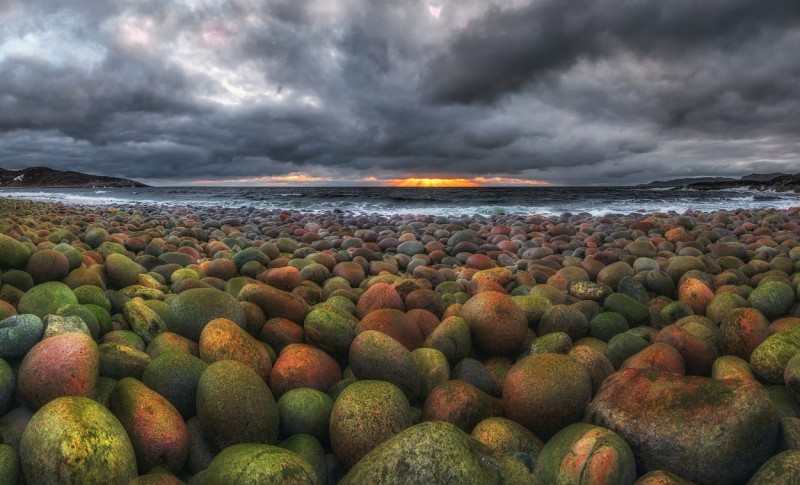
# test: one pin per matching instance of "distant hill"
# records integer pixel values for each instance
(780, 182)
(47, 177)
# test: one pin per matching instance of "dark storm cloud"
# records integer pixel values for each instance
(508, 48)
(572, 92)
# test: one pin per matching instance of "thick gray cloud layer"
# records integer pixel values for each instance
(579, 91)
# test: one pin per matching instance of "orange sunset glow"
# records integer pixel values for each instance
(430, 182)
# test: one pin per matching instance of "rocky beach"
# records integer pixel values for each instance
(147, 344)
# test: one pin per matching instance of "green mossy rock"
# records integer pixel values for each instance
(331, 331)
(451, 337)
(13, 254)
(122, 271)
(506, 436)
(769, 359)
(624, 345)
(634, 312)
(7, 384)
(9, 465)
(143, 320)
(47, 298)
(90, 294)
(375, 355)
(191, 310)
(234, 405)
(305, 410)
(257, 464)
(175, 375)
(311, 450)
(76, 440)
(118, 361)
(607, 324)
(436, 453)
(365, 414)
(781, 469)
(584, 454)
(156, 429)
(83, 314)
(772, 298)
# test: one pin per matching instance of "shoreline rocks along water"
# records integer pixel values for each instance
(278, 346)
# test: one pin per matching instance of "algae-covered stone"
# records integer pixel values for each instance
(623, 346)
(781, 469)
(772, 298)
(432, 366)
(156, 429)
(497, 324)
(769, 359)
(122, 271)
(118, 361)
(546, 392)
(191, 310)
(143, 320)
(7, 384)
(364, 415)
(46, 298)
(305, 410)
(705, 430)
(331, 331)
(634, 312)
(585, 454)
(311, 450)
(436, 453)
(175, 375)
(63, 365)
(76, 440)
(452, 338)
(222, 339)
(375, 355)
(556, 343)
(256, 464)
(18, 333)
(9, 465)
(506, 436)
(607, 324)
(234, 405)
(13, 254)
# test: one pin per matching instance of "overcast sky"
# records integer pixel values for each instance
(259, 91)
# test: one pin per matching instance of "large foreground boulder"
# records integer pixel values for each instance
(705, 430)
(435, 452)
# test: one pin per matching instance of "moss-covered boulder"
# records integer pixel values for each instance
(256, 464)
(9, 465)
(13, 254)
(143, 320)
(76, 440)
(705, 430)
(769, 359)
(330, 330)
(191, 310)
(375, 355)
(452, 337)
(156, 429)
(122, 271)
(634, 312)
(223, 339)
(506, 436)
(301, 365)
(234, 405)
(274, 302)
(364, 415)
(781, 469)
(47, 265)
(46, 298)
(305, 410)
(585, 454)
(118, 361)
(772, 298)
(175, 375)
(546, 392)
(497, 324)
(63, 365)
(436, 453)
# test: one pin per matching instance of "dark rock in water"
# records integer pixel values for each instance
(705, 430)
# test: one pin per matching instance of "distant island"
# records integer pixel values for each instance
(779, 182)
(47, 177)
